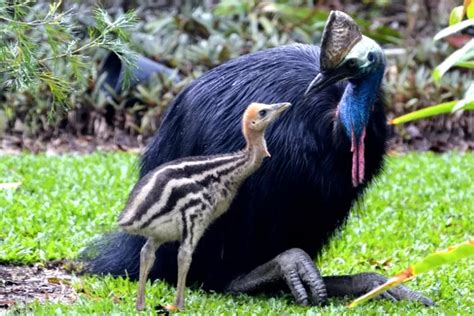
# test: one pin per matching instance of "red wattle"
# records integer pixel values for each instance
(358, 159)
(361, 157)
(355, 159)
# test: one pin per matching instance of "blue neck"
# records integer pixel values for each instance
(357, 101)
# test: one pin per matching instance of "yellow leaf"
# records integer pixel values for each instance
(469, 8)
(456, 15)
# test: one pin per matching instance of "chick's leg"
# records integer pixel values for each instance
(147, 258)
(184, 262)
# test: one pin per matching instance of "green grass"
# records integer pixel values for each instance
(422, 203)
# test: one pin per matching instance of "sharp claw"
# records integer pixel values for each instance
(389, 296)
(397, 293)
(426, 301)
(311, 277)
(405, 293)
(303, 301)
(295, 268)
(296, 287)
(303, 278)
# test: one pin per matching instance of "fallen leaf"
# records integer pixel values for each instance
(54, 280)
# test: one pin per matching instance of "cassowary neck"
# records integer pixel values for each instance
(354, 110)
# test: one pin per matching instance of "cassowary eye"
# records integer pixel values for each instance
(371, 57)
(351, 63)
(262, 113)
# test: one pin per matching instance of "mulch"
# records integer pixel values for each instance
(21, 285)
(67, 143)
(412, 139)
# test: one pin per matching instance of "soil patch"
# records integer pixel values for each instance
(412, 138)
(67, 143)
(20, 285)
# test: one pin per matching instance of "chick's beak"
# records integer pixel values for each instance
(280, 107)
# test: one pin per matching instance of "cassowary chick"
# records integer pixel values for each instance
(180, 199)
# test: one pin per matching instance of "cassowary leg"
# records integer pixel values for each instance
(359, 284)
(147, 258)
(295, 268)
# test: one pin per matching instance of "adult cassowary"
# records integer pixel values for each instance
(329, 146)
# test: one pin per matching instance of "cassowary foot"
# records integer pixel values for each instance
(302, 277)
(295, 268)
(359, 284)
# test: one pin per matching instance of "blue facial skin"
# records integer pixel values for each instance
(359, 96)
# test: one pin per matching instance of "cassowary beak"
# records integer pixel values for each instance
(340, 35)
(325, 79)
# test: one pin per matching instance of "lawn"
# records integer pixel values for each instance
(423, 202)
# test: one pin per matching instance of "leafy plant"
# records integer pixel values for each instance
(44, 46)
(431, 262)
(462, 57)
(191, 40)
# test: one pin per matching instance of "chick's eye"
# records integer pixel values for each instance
(262, 113)
(371, 57)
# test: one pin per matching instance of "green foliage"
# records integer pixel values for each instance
(462, 57)
(194, 40)
(459, 56)
(45, 48)
(465, 53)
(64, 201)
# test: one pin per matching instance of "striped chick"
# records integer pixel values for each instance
(180, 199)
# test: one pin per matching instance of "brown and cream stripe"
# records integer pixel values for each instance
(181, 185)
